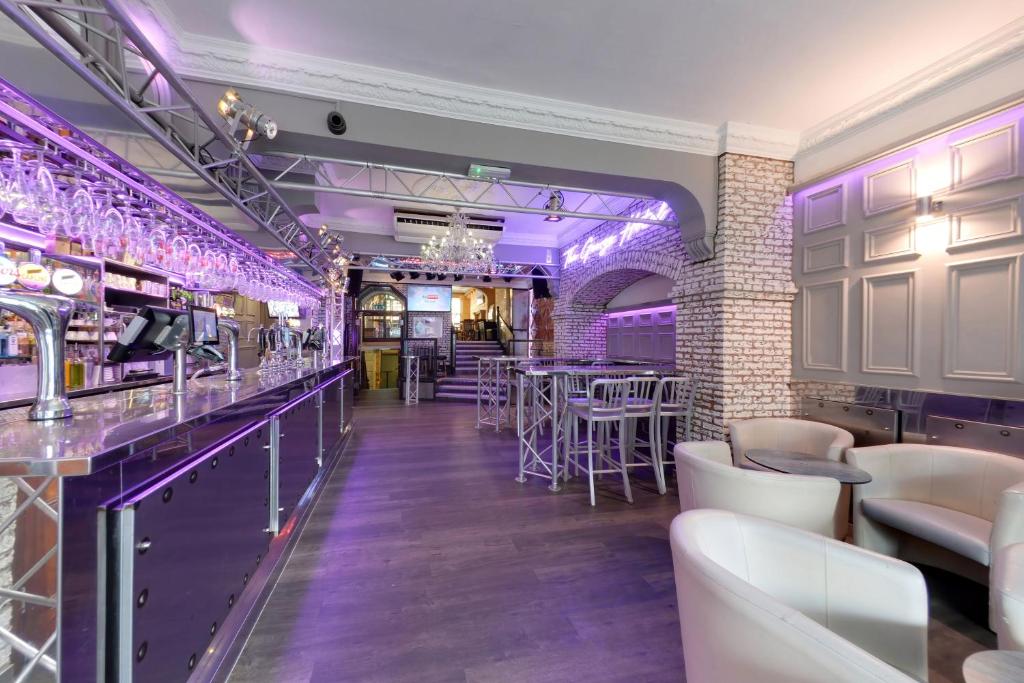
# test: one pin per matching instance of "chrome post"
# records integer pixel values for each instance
(180, 375)
(49, 317)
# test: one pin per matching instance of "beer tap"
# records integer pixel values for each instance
(49, 317)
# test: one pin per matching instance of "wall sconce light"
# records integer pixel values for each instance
(928, 209)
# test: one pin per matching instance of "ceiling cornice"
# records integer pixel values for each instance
(973, 60)
(745, 138)
(207, 58)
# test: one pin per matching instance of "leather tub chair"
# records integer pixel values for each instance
(707, 478)
(762, 602)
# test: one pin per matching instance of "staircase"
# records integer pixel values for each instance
(462, 386)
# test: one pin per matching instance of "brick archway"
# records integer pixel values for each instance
(595, 284)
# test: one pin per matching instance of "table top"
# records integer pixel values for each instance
(791, 462)
(995, 666)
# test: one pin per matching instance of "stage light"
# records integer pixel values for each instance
(441, 277)
(430, 276)
(237, 111)
(397, 276)
(414, 275)
(486, 278)
(554, 203)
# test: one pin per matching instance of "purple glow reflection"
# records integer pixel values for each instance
(637, 311)
(21, 236)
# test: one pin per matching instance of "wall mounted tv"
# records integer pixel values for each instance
(429, 298)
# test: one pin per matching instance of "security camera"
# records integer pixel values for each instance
(336, 123)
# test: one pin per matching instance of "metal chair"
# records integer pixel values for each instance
(604, 408)
(673, 398)
(640, 405)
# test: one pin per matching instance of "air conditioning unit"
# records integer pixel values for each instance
(419, 226)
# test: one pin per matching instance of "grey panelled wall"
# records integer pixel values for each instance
(890, 299)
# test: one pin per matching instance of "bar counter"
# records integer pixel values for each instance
(151, 526)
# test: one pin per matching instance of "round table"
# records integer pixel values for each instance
(995, 666)
(791, 462)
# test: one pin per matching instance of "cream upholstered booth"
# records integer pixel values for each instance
(787, 434)
(707, 479)
(1008, 597)
(954, 508)
(764, 602)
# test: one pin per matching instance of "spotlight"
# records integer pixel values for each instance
(554, 203)
(235, 110)
(414, 275)
(336, 123)
(397, 276)
(441, 277)
(486, 278)
(457, 278)
(507, 279)
(430, 276)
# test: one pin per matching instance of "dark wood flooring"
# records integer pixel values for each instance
(424, 561)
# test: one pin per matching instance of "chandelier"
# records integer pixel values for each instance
(458, 251)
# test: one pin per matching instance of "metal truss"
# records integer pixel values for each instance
(422, 186)
(412, 379)
(494, 390)
(34, 659)
(99, 41)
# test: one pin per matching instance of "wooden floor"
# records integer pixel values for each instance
(424, 561)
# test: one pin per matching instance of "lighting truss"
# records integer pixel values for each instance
(36, 589)
(416, 264)
(422, 186)
(100, 42)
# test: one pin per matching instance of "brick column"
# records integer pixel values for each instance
(734, 312)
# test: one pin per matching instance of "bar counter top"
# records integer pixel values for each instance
(104, 426)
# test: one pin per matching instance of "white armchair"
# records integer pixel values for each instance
(707, 479)
(764, 602)
(954, 508)
(788, 434)
(1008, 597)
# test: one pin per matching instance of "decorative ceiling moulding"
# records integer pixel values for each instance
(960, 67)
(206, 58)
(758, 141)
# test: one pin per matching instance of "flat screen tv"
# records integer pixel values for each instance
(429, 298)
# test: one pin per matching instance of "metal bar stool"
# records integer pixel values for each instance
(604, 408)
(674, 397)
(640, 405)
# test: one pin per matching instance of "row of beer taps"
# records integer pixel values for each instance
(280, 347)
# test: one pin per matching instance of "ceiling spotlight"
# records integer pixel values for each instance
(430, 276)
(486, 278)
(507, 279)
(397, 276)
(235, 110)
(554, 203)
(414, 275)
(441, 277)
(457, 278)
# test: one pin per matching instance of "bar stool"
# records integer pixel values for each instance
(604, 408)
(674, 397)
(640, 405)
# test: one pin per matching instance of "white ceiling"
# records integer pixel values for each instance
(787, 64)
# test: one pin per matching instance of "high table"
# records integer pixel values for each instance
(541, 401)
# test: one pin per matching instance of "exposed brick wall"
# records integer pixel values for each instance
(733, 318)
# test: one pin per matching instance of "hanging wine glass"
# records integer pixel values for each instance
(133, 241)
(179, 254)
(81, 213)
(47, 205)
(157, 251)
(23, 207)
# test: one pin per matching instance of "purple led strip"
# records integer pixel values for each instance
(152, 189)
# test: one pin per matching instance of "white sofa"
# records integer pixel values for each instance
(707, 479)
(1008, 597)
(954, 508)
(762, 602)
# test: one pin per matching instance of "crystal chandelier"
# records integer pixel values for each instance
(458, 251)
